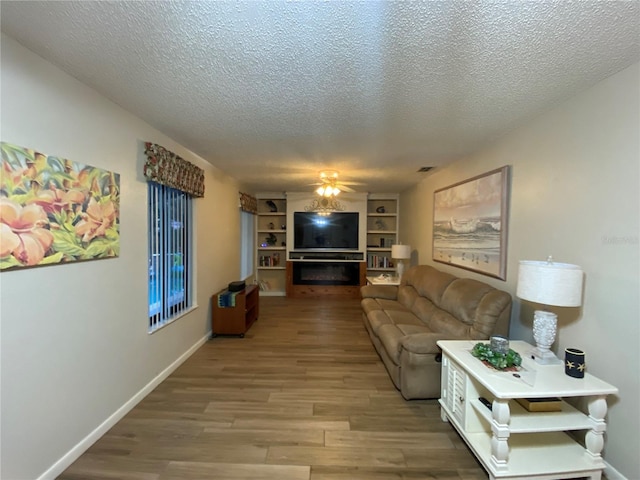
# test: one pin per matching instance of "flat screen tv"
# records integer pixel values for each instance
(338, 231)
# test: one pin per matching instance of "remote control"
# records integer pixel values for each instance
(485, 402)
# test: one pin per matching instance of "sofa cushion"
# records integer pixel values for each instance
(390, 337)
(378, 318)
(388, 305)
(447, 324)
(404, 317)
(462, 297)
(379, 291)
(412, 329)
(429, 282)
(422, 342)
(492, 305)
(369, 305)
(407, 296)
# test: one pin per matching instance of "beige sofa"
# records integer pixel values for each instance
(405, 322)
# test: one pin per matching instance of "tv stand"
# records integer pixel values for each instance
(340, 256)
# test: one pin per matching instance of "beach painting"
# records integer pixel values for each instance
(470, 223)
(54, 211)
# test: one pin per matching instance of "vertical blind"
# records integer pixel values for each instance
(169, 253)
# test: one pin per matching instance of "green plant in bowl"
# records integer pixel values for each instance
(500, 361)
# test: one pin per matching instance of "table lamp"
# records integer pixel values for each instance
(400, 252)
(552, 284)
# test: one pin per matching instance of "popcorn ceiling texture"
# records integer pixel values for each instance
(272, 92)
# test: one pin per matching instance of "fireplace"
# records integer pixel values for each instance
(318, 279)
(326, 273)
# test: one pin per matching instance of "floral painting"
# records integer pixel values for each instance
(470, 224)
(54, 211)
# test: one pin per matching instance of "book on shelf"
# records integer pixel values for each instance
(545, 404)
(264, 285)
(379, 261)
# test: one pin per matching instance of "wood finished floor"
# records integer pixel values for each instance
(303, 396)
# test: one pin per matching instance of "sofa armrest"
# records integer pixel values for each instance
(425, 343)
(389, 292)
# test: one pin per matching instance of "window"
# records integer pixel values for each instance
(170, 279)
(247, 233)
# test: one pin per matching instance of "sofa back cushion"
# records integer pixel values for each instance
(427, 282)
(461, 307)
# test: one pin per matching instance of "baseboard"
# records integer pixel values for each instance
(612, 474)
(72, 455)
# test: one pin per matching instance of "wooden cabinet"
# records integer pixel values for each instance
(510, 441)
(382, 232)
(238, 316)
(271, 249)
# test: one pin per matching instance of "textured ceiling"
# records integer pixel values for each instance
(272, 92)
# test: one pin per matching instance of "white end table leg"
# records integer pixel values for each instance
(594, 440)
(500, 428)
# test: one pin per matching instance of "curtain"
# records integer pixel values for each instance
(167, 168)
(248, 203)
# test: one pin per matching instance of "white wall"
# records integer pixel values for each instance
(75, 346)
(574, 195)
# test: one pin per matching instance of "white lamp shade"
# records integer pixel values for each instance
(400, 252)
(550, 283)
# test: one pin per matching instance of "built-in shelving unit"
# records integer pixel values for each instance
(271, 244)
(382, 232)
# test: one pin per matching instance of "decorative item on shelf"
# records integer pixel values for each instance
(380, 225)
(271, 226)
(271, 240)
(381, 209)
(497, 359)
(283, 227)
(548, 283)
(272, 206)
(276, 259)
(324, 206)
(499, 344)
(574, 364)
(400, 253)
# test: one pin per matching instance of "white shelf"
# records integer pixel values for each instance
(272, 248)
(271, 268)
(272, 214)
(537, 455)
(523, 421)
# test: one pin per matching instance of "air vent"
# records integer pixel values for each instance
(424, 169)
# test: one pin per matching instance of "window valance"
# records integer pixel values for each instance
(248, 203)
(167, 168)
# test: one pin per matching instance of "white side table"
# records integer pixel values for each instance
(510, 441)
(371, 280)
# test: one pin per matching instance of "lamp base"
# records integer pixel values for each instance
(400, 269)
(545, 357)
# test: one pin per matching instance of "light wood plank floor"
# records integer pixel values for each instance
(303, 396)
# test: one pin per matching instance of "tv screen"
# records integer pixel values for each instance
(338, 231)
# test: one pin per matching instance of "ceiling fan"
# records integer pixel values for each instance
(329, 186)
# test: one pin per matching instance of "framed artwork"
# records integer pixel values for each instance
(55, 211)
(470, 223)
